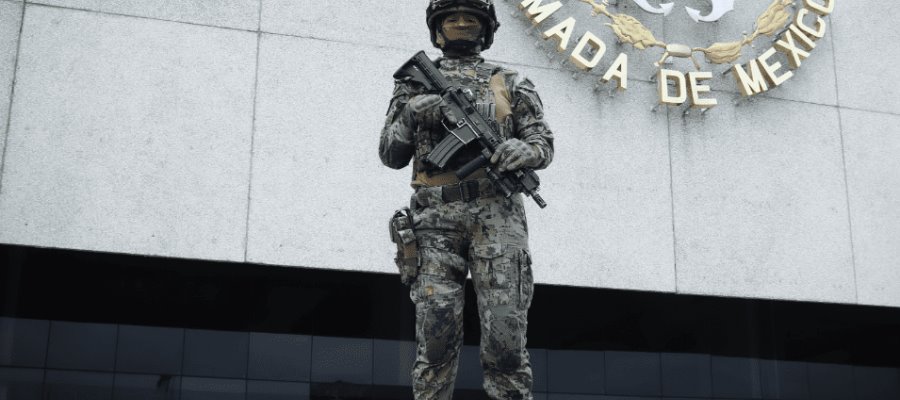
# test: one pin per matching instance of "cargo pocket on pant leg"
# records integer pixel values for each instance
(498, 275)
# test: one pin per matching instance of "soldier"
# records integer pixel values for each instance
(467, 226)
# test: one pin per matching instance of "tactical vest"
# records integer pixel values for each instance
(488, 88)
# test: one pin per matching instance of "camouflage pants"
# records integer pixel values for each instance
(487, 236)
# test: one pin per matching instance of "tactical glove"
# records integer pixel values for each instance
(429, 109)
(514, 154)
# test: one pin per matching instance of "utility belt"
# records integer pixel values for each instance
(464, 191)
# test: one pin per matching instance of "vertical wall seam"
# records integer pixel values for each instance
(259, 17)
(672, 199)
(12, 91)
(844, 162)
(671, 187)
(252, 144)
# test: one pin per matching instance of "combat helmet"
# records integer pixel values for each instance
(482, 9)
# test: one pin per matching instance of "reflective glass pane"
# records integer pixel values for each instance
(393, 362)
(280, 357)
(215, 353)
(784, 379)
(573, 371)
(150, 349)
(146, 387)
(342, 360)
(633, 373)
(736, 377)
(265, 390)
(686, 375)
(212, 389)
(21, 383)
(539, 368)
(469, 374)
(568, 396)
(78, 385)
(76, 345)
(23, 342)
(830, 381)
(873, 383)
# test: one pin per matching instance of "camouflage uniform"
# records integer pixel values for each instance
(487, 236)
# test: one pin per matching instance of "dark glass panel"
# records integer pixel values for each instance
(23, 342)
(539, 368)
(736, 377)
(21, 383)
(86, 346)
(568, 396)
(686, 375)
(339, 390)
(574, 371)
(633, 373)
(212, 389)
(266, 390)
(784, 380)
(342, 360)
(393, 362)
(469, 374)
(150, 350)
(146, 387)
(873, 383)
(78, 385)
(830, 382)
(215, 353)
(282, 357)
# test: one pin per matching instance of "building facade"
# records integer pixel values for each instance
(191, 205)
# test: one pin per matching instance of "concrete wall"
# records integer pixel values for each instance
(247, 131)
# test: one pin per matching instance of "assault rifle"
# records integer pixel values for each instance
(470, 126)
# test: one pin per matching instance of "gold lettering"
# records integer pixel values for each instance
(619, 71)
(752, 84)
(771, 69)
(598, 46)
(821, 9)
(563, 32)
(695, 89)
(537, 12)
(817, 33)
(804, 40)
(794, 54)
(680, 87)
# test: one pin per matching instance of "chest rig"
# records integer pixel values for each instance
(475, 77)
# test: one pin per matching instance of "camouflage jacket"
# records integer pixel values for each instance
(498, 91)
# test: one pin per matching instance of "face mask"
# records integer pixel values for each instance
(461, 26)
